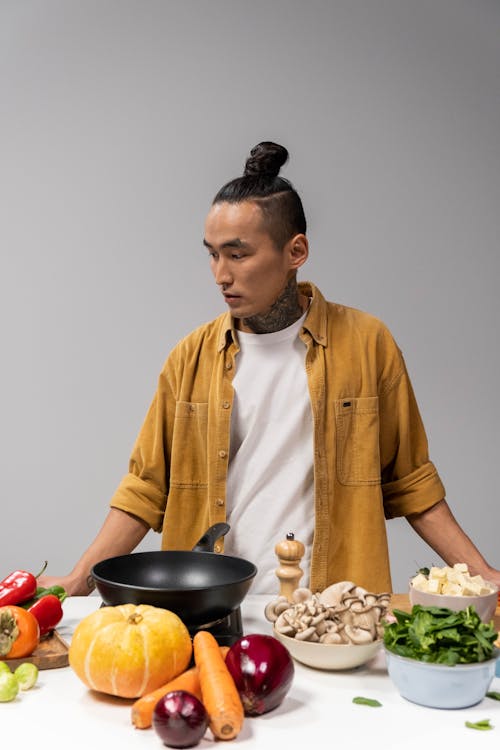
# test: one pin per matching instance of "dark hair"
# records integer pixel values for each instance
(279, 202)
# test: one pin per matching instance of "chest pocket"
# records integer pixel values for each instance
(357, 440)
(188, 467)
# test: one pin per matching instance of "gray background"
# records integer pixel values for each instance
(119, 120)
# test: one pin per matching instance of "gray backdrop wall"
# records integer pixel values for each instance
(119, 119)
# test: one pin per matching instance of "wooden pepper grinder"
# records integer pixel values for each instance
(290, 552)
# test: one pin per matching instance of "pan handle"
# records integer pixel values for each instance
(207, 541)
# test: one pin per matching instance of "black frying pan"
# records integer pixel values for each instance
(199, 586)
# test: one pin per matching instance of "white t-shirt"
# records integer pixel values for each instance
(270, 487)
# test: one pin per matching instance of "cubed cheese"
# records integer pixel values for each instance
(419, 582)
(455, 581)
(453, 576)
(451, 589)
(439, 573)
(485, 589)
(471, 589)
(433, 586)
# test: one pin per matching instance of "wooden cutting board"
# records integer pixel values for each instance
(51, 652)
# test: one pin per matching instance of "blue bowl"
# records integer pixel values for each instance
(440, 685)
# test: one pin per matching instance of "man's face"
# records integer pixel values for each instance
(250, 271)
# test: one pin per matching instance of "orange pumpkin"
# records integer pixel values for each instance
(129, 650)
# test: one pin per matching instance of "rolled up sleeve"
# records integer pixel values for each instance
(141, 499)
(143, 491)
(410, 481)
(413, 493)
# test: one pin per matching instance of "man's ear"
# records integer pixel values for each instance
(298, 249)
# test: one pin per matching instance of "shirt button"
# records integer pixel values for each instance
(229, 365)
(226, 405)
(218, 548)
(219, 502)
(222, 454)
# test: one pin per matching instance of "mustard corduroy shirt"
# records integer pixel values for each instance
(370, 448)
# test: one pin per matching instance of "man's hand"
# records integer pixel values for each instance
(72, 586)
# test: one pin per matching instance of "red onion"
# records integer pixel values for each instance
(262, 670)
(179, 719)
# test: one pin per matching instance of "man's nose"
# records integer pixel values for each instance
(222, 272)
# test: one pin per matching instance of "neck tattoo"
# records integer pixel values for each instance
(285, 311)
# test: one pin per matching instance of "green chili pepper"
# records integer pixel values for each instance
(492, 694)
(41, 592)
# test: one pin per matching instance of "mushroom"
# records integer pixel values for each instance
(301, 595)
(334, 632)
(275, 608)
(318, 623)
(342, 613)
(331, 636)
(360, 592)
(282, 625)
(309, 634)
(364, 616)
(332, 595)
(358, 635)
(304, 620)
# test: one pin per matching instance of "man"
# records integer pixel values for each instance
(286, 413)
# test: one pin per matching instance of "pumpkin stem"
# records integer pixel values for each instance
(135, 618)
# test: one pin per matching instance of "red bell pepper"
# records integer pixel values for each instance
(48, 611)
(18, 587)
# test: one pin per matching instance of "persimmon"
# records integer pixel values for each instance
(19, 632)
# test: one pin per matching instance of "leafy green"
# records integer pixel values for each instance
(483, 725)
(424, 571)
(438, 634)
(492, 694)
(366, 701)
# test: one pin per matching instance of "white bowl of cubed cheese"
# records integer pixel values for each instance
(454, 588)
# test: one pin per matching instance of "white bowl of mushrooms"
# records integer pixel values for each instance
(339, 628)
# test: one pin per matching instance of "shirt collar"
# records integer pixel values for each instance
(227, 331)
(314, 324)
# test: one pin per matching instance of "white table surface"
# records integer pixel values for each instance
(60, 712)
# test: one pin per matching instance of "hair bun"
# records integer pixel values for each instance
(266, 160)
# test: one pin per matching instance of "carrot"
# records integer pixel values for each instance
(219, 694)
(142, 709)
